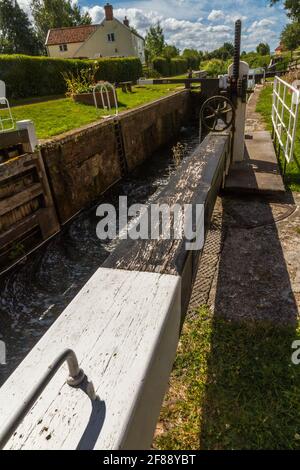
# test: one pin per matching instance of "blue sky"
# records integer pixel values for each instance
(203, 24)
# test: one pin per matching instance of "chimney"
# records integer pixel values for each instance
(109, 15)
(126, 21)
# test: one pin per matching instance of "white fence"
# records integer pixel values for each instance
(285, 111)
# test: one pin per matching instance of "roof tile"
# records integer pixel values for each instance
(70, 35)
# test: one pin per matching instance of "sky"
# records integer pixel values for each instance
(200, 24)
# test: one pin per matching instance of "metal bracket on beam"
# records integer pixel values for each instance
(76, 377)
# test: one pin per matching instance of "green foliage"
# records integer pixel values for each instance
(27, 76)
(232, 387)
(49, 14)
(162, 66)
(117, 70)
(192, 56)
(263, 49)
(154, 42)
(81, 82)
(290, 36)
(55, 116)
(168, 68)
(178, 66)
(292, 7)
(215, 67)
(256, 60)
(149, 72)
(223, 53)
(17, 35)
(169, 52)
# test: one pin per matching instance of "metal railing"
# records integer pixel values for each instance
(4, 107)
(104, 86)
(285, 112)
(76, 377)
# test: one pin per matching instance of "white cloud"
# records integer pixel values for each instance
(216, 15)
(182, 33)
(264, 23)
(203, 25)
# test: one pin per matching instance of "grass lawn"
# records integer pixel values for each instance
(54, 117)
(233, 386)
(264, 107)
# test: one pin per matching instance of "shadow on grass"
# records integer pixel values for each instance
(234, 385)
(252, 392)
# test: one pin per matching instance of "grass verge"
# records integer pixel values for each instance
(264, 107)
(233, 386)
(55, 117)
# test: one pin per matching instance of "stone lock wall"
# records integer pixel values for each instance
(148, 128)
(82, 164)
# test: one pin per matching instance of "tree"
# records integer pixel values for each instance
(17, 34)
(169, 52)
(290, 36)
(192, 56)
(155, 41)
(292, 6)
(223, 53)
(49, 14)
(263, 49)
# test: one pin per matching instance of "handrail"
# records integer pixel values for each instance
(103, 86)
(76, 377)
(4, 102)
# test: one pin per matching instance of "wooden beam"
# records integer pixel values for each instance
(125, 339)
(11, 138)
(21, 198)
(19, 229)
(197, 181)
(17, 165)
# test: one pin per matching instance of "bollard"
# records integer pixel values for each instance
(32, 139)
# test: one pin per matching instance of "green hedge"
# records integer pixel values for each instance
(178, 66)
(162, 66)
(27, 76)
(168, 68)
(149, 72)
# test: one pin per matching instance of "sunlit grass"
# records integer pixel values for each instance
(55, 117)
(233, 386)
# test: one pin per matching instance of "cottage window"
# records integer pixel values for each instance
(111, 37)
(63, 47)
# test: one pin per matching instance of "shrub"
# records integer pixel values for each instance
(215, 67)
(149, 72)
(27, 76)
(256, 60)
(82, 82)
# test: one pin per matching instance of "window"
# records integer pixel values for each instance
(111, 37)
(63, 47)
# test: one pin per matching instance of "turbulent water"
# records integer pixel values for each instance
(36, 293)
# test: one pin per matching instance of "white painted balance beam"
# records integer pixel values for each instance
(124, 328)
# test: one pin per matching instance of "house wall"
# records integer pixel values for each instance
(53, 51)
(139, 47)
(98, 43)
